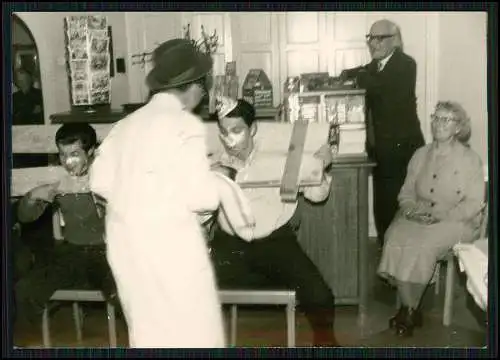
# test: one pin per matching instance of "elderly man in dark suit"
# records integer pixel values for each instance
(393, 126)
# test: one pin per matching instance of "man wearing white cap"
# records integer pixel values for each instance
(270, 255)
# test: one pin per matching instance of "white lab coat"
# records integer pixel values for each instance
(153, 171)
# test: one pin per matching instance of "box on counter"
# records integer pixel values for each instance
(230, 68)
(312, 81)
(257, 89)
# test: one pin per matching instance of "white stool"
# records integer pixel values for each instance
(77, 296)
(261, 297)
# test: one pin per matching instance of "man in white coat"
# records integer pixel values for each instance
(153, 171)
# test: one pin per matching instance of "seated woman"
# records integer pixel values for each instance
(440, 205)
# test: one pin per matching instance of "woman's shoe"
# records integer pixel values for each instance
(399, 317)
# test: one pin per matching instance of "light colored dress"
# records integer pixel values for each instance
(451, 187)
(153, 170)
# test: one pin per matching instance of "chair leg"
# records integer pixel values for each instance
(78, 322)
(234, 320)
(290, 324)
(448, 297)
(111, 324)
(437, 277)
(45, 327)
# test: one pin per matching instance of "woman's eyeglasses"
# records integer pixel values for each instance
(443, 120)
(370, 37)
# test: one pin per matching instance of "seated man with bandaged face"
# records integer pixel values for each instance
(80, 260)
(269, 255)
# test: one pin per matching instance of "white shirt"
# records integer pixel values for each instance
(269, 211)
(381, 63)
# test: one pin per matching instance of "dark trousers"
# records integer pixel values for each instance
(69, 267)
(276, 262)
(392, 160)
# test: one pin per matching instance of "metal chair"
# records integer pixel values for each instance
(451, 271)
(75, 296)
(260, 297)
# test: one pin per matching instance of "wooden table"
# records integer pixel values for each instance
(335, 234)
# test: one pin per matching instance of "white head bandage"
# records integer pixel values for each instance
(224, 105)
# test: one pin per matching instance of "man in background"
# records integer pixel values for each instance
(271, 256)
(27, 101)
(393, 127)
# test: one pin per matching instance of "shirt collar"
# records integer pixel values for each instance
(384, 61)
(167, 100)
(237, 163)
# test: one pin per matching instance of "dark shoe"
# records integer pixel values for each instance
(417, 318)
(405, 327)
(404, 330)
(399, 317)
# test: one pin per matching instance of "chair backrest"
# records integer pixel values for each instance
(83, 223)
(483, 229)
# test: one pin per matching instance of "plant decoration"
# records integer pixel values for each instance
(208, 44)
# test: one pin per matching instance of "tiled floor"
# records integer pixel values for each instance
(267, 326)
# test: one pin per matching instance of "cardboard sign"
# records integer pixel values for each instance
(257, 89)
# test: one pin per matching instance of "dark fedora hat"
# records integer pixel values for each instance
(177, 62)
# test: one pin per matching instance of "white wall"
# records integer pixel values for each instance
(462, 73)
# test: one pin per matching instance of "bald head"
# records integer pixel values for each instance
(383, 38)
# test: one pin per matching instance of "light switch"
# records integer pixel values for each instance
(120, 65)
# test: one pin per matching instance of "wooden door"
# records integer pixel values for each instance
(145, 31)
(256, 46)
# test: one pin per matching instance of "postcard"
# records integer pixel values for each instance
(97, 22)
(79, 65)
(99, 45)
(76, 22)
(99, 62)
(76, 34)
(81, 98)
(100, 82)
(100, 97)
(79, 53)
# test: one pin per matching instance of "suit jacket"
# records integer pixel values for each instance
(390, 101)
(23, 107)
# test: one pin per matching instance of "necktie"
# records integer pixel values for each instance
(380, 65)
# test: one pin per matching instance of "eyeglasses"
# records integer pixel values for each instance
(443, 120)
(370, 37)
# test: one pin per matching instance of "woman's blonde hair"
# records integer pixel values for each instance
(460, 116)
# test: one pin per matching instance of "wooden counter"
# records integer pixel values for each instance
(108, 116)
(335, 233)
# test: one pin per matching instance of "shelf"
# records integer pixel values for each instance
(345, 92)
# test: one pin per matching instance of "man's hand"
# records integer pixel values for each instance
(44, 192)
(224, 170)
(325, 154)
(343, 76)
(37, 109)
